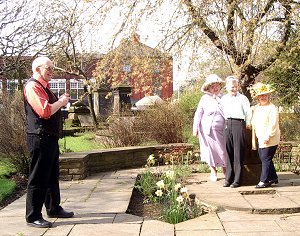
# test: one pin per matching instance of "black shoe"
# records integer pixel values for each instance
(274, 181)
(234, 185)
(226, 184)
(61, 214)
(40, 223)
(264, 185)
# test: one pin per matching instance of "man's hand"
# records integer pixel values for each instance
(64, 99)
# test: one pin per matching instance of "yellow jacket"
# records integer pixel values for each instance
(265, 126)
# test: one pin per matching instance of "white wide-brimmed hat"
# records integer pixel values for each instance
(211, 79)
(260, 89)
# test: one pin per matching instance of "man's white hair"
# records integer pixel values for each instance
(39, 61)
(230, 79)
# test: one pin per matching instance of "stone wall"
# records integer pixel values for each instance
(75, 166)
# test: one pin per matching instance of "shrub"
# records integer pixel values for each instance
(289, 126)
(163, 123)
(189, 99)
(122, 132)
(13, 136)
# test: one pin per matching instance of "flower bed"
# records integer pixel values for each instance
(164, 190)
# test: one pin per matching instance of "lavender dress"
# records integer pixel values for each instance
(209, 124)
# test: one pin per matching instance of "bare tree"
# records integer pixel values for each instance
(22, 36)
(72, 54)
(250, 34)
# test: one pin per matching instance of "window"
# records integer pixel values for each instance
(76, 89)
(157, 70)
(157, 86)
(12, 86)
(58, 86)
(127, 68)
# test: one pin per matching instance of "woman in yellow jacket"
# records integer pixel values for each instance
(265, 131)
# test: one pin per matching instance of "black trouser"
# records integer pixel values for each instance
(235, 147)
(268, 171)
(43, 181)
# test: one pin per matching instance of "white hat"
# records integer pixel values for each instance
(211, 79)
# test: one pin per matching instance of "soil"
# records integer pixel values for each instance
(20, 190)
(139, 208)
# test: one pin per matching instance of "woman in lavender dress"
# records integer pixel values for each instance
(209, 126)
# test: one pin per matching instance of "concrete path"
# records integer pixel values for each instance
(100, 202)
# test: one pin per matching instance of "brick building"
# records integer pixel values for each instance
(146, 70)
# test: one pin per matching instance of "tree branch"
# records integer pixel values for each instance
(284, 40)
(231, 6)
(200, 22)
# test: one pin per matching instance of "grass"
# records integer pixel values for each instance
(5, 168)
(7, 187)
(79, 143)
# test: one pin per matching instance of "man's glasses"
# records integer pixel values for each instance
(49, 68)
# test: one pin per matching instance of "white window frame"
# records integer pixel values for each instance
(58, 86)
(76, 88)
(11, 85)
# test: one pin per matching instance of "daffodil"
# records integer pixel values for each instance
(183, 190)
(151, 160)
(159, 193)
(180, 199)
(160, 184)
(170, 174)
(177, 186)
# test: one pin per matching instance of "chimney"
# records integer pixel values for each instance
(136, 38)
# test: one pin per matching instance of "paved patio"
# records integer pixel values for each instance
(100, 202)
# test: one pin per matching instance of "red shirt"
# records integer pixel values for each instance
(38, 98)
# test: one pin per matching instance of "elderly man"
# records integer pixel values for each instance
(237, 113)
(43, 129)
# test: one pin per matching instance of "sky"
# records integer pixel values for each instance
(150, 34)
(99, 37)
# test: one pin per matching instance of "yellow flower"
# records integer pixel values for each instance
(189, 153)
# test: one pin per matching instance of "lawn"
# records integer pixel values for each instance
(79, 143)
(7, 186)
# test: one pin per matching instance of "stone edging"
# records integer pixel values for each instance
(78, 165)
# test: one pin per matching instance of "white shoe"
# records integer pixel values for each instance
(213, 178)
